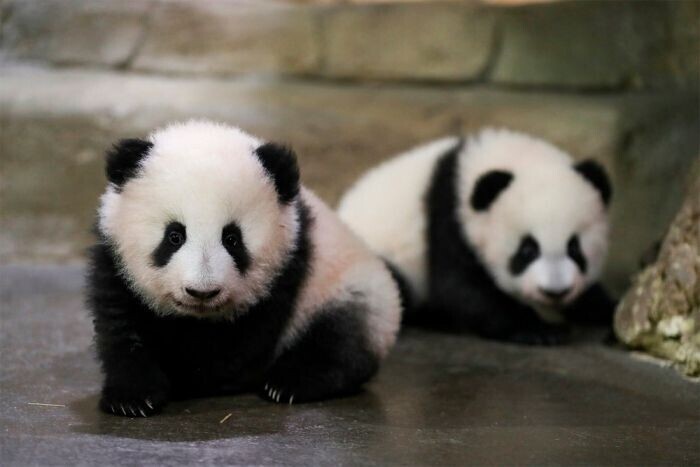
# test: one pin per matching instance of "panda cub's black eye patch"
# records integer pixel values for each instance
(527, 252)
(174, 236)
(573, 249)
(232, 240)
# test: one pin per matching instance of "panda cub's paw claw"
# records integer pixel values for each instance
(277, 395)
(131, 409)
(127, 404)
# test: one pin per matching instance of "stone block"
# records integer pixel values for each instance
(229, 37)
(450, 42)
(599, 44)
(67, 32)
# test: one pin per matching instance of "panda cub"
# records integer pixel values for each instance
(501, 234)
(216, 272)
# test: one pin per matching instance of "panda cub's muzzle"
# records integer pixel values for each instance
(555, 295)
(200, 301)
(202, 295)
(557, 280)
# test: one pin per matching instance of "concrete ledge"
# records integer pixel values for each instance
(57, 124)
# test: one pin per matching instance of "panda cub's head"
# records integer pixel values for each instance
(537, 220)
(200, 217)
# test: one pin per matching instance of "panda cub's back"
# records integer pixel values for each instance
(342, 269)
(386, 209)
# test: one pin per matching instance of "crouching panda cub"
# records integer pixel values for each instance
(501, 234)
(216, 272)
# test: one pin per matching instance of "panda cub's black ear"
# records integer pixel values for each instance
(124, 158)
(281, 163)
(488, 187)
(596, 176)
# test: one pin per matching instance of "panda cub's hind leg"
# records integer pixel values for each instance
(333, 357)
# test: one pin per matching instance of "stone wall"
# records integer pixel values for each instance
(347, 85)
(594, 44)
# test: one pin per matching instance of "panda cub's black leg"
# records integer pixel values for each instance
(331, 358)
(594, 306)
(134, 385)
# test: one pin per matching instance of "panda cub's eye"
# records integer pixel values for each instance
(230, 240)
(233, 241)
(527, 252)
(231, 235)
(529, 248)
(175, 234)
(176, 238)
(573, 249)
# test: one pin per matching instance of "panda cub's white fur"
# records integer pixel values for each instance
(406, 207)
(215, 271)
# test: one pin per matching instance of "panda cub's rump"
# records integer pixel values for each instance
(216, 272)
(500, 233)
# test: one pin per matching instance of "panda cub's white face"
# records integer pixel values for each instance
(536, 220)
(199, 229)
(550, 249)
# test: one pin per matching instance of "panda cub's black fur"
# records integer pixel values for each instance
(284, 345)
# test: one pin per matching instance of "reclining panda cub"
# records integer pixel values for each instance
(501, 234)
(216, 272)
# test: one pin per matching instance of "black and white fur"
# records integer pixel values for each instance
(216, 272)
(501, 233)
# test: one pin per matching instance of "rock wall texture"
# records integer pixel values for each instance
(585, 44)
(661, 311)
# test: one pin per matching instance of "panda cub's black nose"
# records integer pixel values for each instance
(555, 294)
(202, 294)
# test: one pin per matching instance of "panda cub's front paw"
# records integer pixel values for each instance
(129, 402)
(545, 334)
(277, 394)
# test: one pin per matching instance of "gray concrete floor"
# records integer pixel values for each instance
(439, 399)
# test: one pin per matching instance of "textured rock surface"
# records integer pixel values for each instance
(661, 312)
(56, 125)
